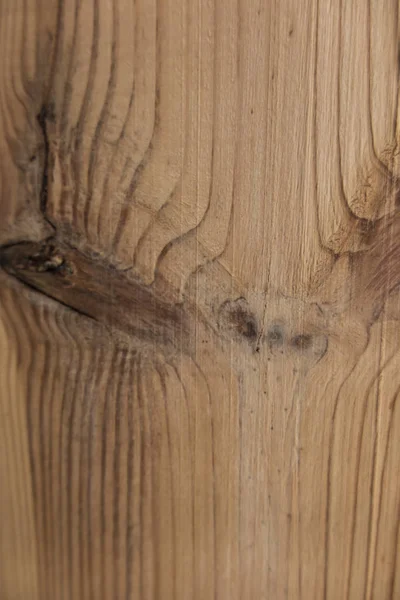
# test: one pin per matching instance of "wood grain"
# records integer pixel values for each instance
(199, 316)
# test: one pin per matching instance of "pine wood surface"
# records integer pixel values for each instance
(199, 314)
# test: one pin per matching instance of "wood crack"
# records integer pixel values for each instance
(44, 115)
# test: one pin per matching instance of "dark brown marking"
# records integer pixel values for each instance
(46, 258)
(235, 316)
(46, 115)
(97, 290)
(302, 341)
(397, 199)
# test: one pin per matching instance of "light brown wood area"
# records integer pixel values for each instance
(199, 283)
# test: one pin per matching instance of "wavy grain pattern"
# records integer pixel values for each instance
(199, 308)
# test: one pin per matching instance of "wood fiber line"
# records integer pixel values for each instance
(161, 166)
(19, 569)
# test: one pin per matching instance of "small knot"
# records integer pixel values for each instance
(302, 341)
(236, 317)
(275, 336)
(309, 346)
(46, 259)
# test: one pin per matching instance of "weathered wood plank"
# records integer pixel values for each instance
(200, 259)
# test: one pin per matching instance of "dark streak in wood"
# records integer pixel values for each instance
(302, 341)
(236, 317)
(97, 290)
(46, 114)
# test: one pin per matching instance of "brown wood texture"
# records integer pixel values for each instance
(199, 306)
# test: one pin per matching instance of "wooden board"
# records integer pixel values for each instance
(199, 319)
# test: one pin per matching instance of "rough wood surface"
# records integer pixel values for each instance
(199, 319)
